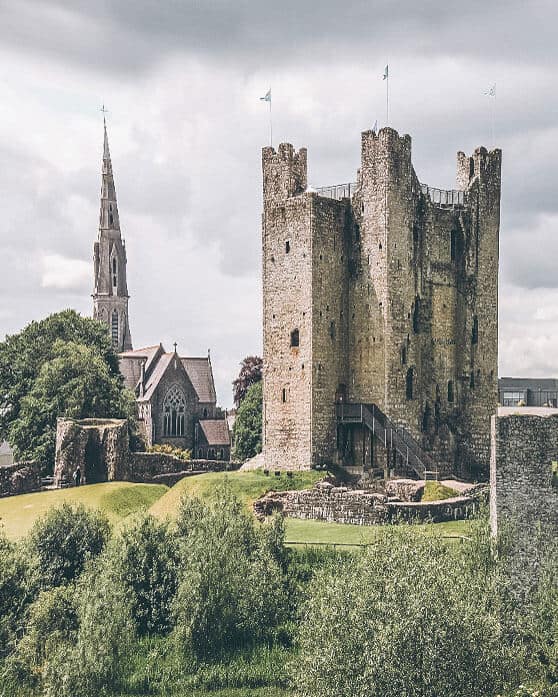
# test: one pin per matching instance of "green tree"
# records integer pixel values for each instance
(231, 589)
(63, 540)
(76, 382)
(22, 356)
(15, 592)
(247, 430)
(146, 558)
(409, 617)
(250, 373)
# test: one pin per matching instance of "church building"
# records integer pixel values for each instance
(176, 398)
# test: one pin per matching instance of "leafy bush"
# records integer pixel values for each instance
(231, 589)
(181, 454)
(15, 593)
(97, 663)
(63, 540)
(410, 617)
(146, 558)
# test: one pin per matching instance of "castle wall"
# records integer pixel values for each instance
(523, 493)
(287, 307)
(332, 232)
(388, 290)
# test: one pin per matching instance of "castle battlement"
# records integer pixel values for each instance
(383, 292)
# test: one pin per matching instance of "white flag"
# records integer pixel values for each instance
(491, 91)
(386, 72)
(267, 97)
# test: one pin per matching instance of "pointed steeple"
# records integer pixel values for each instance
(108, 217)
(110, 298)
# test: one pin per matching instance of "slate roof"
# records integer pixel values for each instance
(201, 374)
(215, 431)
(157, 361)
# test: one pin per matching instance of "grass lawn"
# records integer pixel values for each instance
(117, 500)
(316, 531)
(248, 486)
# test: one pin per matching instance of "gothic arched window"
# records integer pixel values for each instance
(174, 408)
(114, 328)
(114, 269)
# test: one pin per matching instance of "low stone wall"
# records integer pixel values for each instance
(19, 478)
(336, 504)
(164, 468)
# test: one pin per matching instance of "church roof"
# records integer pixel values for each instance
(156, 363)
(201, 374)
(215, 431)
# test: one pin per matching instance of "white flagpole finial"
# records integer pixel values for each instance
(267, 98)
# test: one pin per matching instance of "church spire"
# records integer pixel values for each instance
(110, 297)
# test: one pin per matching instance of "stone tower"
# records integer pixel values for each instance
(380, 302)
(110, 298)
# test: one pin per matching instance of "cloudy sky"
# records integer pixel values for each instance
(182, 80)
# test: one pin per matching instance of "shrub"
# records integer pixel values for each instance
(231, 589)
(185, 455)
(147, 559)
(15, 593)
(247, 430)
(410, 617)
(63, 540)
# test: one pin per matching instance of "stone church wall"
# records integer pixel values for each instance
(524, 484)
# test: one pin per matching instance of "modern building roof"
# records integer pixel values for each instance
(215, 431)
(505, 383)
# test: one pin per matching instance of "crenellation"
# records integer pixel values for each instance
(393, 283)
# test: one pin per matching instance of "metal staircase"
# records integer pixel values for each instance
(390, 436)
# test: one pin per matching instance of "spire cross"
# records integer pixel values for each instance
(105, 111)
(175, 345)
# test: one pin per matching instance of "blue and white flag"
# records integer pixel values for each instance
(267, 97)
(386, 72)
(491, 91)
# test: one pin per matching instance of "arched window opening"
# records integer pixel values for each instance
(114, 328)
(472, 380)
(456, 244)
(114, 272)
(409, 384)
(403, 355)
(425, 426)
(475, 331)
(284, 395)
(416, 315)
(295, 338)
(174, 408)
(111, 217)
(205, 413)
(287, 246)
(450, 391)
(332, 330)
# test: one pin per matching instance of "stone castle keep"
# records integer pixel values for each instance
(380, 306)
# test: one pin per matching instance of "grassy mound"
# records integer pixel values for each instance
(117, 500)
(434, 491)
(247, 486)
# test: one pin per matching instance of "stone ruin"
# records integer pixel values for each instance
(524, 486)
(399, 501)
(101, 448)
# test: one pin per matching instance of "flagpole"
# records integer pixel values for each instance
(270, 124)
(387, 99)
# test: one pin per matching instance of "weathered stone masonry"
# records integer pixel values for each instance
(387, 294)
(523, 494)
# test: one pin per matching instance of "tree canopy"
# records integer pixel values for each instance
(63, 365)
(250, 373)
(247, 430)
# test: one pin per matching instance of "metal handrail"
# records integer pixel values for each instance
(380, 424)
(441, 197)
